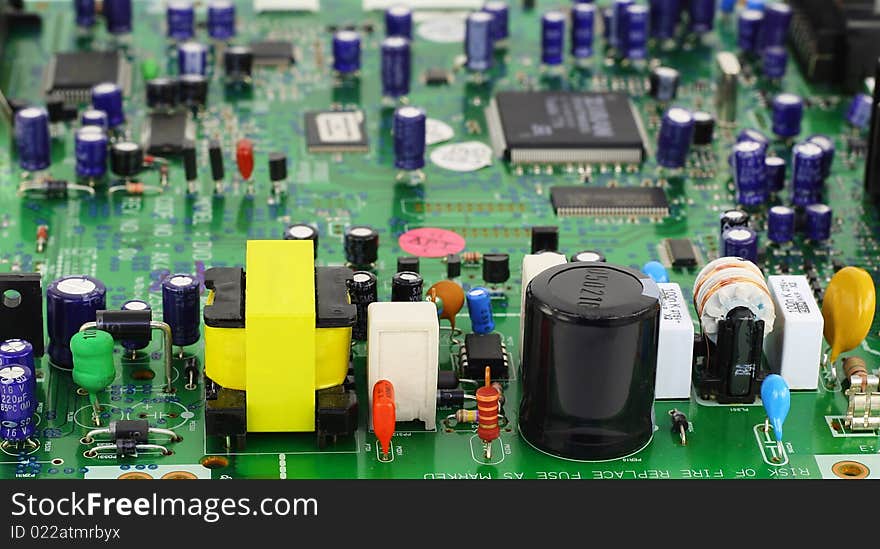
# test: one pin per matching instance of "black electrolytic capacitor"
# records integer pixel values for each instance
(215, 155)
(407, 263)
(363, 289)
(238, 63)
(163, 93)
(406, 286)
(277, 166)
(704, 128)
(302, 231)
(126, 159)
(545, 239)
(734, 218)
(361, 245)
(496, 268)
(193, 90)
(190, 162)
(588, 255)
(453, 266)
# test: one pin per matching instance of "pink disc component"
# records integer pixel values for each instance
(431, 242)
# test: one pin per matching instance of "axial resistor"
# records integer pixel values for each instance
(471, 257)
(487, 411)
(466, 416)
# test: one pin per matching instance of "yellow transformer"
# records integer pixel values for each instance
(279, 330)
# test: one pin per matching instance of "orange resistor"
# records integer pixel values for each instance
(466, 416)
(471, 257)
(42, 237)
(487, 414)
(384, 413)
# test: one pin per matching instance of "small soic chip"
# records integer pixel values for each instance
(609, 201)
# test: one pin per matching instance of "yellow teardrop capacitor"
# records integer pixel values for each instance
(848, 309)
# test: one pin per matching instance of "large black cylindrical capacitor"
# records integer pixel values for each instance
(362, 290)
(302, 231)
(180, 308)
(361, 245)
(496, 268)
(126, 159)
(193, 90)
(238, 62)
(406, 286)
(589, 360)
(163, 93)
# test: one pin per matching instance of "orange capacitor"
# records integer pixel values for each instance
(450, 295)
(487, 414)
(384, 414)
(244, 158)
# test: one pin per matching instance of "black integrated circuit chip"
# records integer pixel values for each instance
(272, 52)
(566, 127)
(165, 134)
(336, 131)
(481, 351)
(70, 76)
(681, 252)
(609, 201)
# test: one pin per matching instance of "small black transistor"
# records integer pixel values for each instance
(277, 166)
(407, 263)
(496, 268)
(453, 266)
(545, 239)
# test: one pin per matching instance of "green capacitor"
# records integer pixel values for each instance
(149, 69)
(93, 366)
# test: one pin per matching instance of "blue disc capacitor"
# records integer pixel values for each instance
(180, 308)
(409, 138)
(18, 402)
(702, 16)
(71, 301)
(192, 58)
(780, 224)
(748, 27)
(479, 305)
(674, 138)
(500, 20)
(346, 51)
(788, 111)
(817, 225)
(107, 97)
(774, 30)
(583, 24)
(32, 139)
(773, 62)
(221, 19)
(827, 145)
(859, 112)
(94, 117)
(395, 66)
(636, 32)
(84, 12)
(665, 16)
(806, 174)
(90, 149)
(135, 305)
(740, 242)
(478, 41)
(398, 22)
(749, 173)
(180, 18)
(552, 37)
(656, 271)
(618, 30)
(117, 15)
(774, 169)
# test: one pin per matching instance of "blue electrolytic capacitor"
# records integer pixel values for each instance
(774, 30)
(859, 112)
(552, 37)
(617, 36)
(774, 170)
(90, 150)
(94, 117)
(780, 224)
(346, 51)
(755, 5)
(500, 20)
(674, 138)
(192, 58)
(636, 32)
(478, 41)
(32, 139)
(749, 134)
(665, 16)
(827, 145)
(727, 6)
(656, 271)
(773, 62)
(607, 22)
(135, 305)
(776, 398)
(18, 395)
(85, 12)
(71, 301)
(740, 242)
(395, 66)
(221, 19)
(748, 26)
(806, 174)
(479, 306)
(817, 225)
(180, 308)
(749, 173)
(583, 24)
(180, 18)
(702, 16)
(398, 22)
(107, 97)
(788, 111)
(19, 351)
(117, 15)
(409, 138)
(664, 83)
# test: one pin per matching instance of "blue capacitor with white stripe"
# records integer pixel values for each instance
(17, 351)
(479, 304)
(395, 66)
(806, 174)
(221, 19)
(18, 402)
(409, 138)
(94, 117)
(180, 308)
(774, 30)
(740, 242)
(665, 16)
(773, 62)
(180, 19)
(749, 173)
(748, 26)
(827, 145)
(192, 58)
(90, 149)
(107, 97)
(674, 138)
(702, 16)
(774, 169)
(859, 112)
(583, 24)
(750, 134)
(663, 83)
(32, 139)
(780, 224)
(552, 37)
(500, 20)
(618, 33)
(117, 15)
(478, 45)
(607, 22)
(346, 52)
(84, 12)
(135, 305)
(817, 226)
(71, 301)
(398, 22)
(788, 111)
(636, 33)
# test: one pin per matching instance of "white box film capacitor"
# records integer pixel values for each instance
(794, 347)
(532, 266)
(403, 341)
(675, 351)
